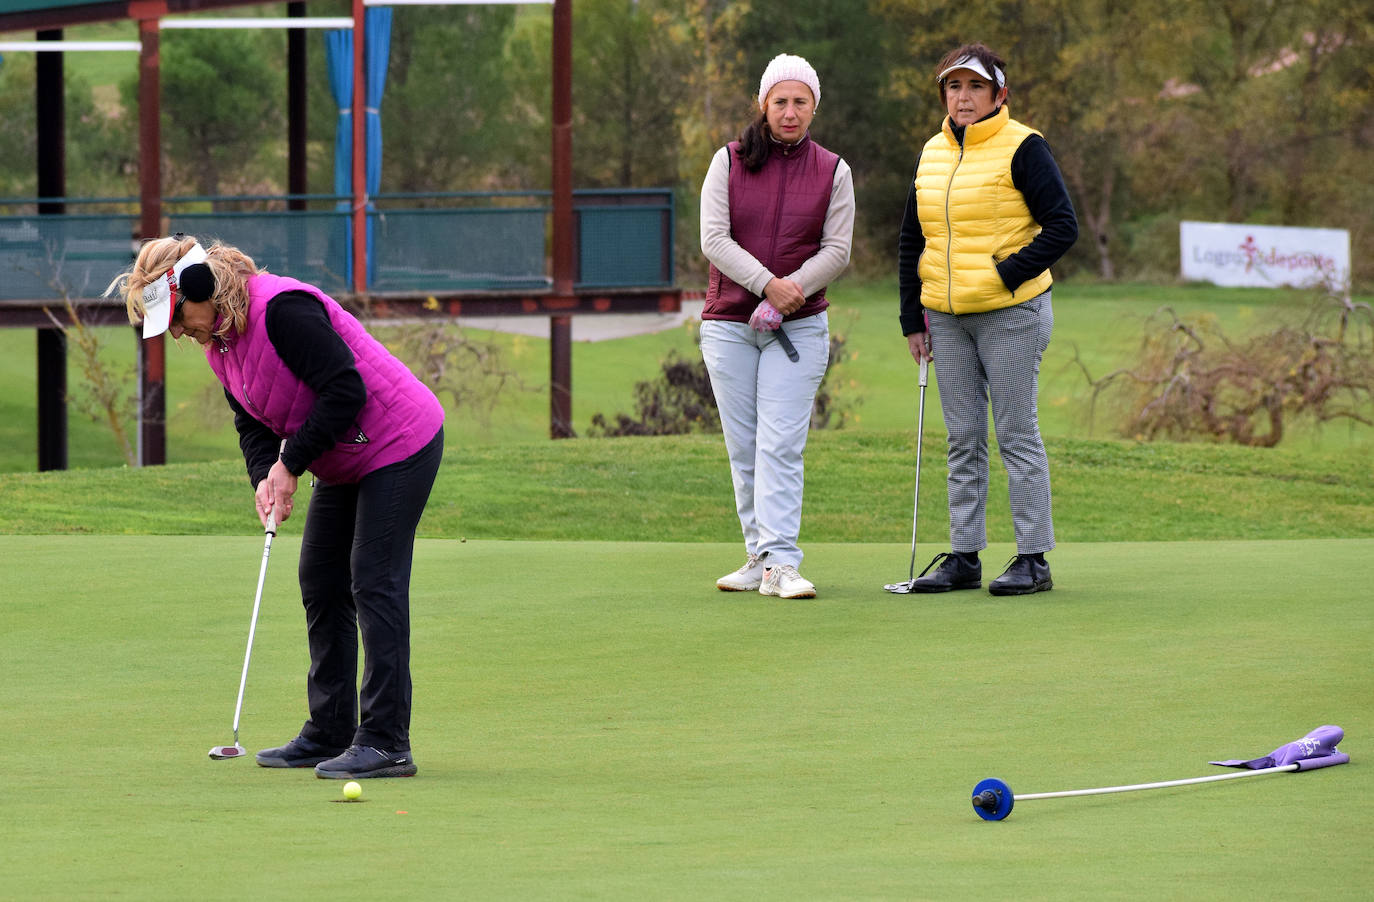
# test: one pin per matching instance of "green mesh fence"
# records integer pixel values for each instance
(69, 255)
(491, 242)
(455, 250)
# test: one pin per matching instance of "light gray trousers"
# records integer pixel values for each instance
(995, 355)
(765, 412)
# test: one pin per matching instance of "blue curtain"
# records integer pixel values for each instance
(376, 57)
(338, 52)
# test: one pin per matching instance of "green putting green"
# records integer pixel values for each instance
(595, 720)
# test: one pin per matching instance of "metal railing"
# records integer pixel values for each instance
(439, 242)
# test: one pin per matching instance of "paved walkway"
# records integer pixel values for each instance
(589, 326)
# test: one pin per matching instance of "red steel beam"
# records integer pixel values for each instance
(152, 363)
(560, 327)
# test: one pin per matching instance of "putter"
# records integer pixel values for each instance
(905, 588)
(787, 347)
(993, 799)
(222, 752)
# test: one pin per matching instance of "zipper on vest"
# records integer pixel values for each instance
(777, 215)
(949, 233)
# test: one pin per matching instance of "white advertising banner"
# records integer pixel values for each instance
(1226, 253)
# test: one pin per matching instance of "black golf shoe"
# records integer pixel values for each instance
(1025, 575)
(299, 752)
(954, 572)
(362, 761)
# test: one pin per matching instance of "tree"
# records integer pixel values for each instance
(451, 116)
(1264, 122)
(222, 95)
(629, 93)
(715, 80)
(855, 52)
(1097, 87)
(102, 153)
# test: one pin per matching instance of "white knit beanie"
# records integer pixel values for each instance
(786, 67)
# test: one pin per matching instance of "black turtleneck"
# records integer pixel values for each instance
(305, 340)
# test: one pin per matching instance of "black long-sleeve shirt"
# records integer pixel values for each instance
(305, 340)
(1035, 174)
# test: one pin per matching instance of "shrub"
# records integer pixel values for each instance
(680, 399)
(1192, 381)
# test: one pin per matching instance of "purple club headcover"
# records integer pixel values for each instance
(1320, 743)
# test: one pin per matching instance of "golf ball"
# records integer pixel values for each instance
(352, 791)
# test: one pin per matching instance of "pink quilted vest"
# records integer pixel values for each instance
(399, 418)
(777, 214)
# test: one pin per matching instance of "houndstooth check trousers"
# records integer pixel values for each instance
(995, 356)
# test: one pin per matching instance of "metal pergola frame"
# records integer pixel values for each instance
(559, 303)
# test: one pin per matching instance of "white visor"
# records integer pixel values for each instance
(157, 295)
(973, 64)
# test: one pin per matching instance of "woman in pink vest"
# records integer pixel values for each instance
(312, 390)
(777, 218)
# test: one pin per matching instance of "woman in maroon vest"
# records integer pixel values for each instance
(311, 389)
(777, 217)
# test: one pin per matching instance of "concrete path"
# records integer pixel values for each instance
(589, 326)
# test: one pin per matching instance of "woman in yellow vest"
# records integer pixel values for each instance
(986, 216)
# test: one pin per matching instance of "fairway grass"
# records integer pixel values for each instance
(593, 720)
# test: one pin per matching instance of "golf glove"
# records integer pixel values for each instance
(765, 317)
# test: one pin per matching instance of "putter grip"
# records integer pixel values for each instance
(925, 369)
(1325, 761)
(787, 345)
(271, 527)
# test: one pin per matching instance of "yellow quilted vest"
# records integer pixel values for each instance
(973, 217)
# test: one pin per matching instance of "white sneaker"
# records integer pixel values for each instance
(785, 582)
(745, 579)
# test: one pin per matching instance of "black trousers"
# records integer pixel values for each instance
(356, 555)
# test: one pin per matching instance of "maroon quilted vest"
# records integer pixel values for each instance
(777, 214)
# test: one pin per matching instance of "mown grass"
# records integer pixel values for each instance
(596, 721)
(1102, 325)
(677, 489)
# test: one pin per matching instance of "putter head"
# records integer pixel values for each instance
(222, 752)
(900, 588)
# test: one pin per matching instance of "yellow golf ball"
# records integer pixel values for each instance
(352, 791)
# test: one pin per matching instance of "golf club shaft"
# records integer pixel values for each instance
(787, 347)
(271, 530)
(1106, 789)
(916, 500)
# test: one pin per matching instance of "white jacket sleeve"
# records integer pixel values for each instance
(717, 243)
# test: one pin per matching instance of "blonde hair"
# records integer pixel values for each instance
(230, 266)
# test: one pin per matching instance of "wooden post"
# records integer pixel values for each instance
(560, 327)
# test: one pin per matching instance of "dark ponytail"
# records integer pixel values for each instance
(755, 143)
